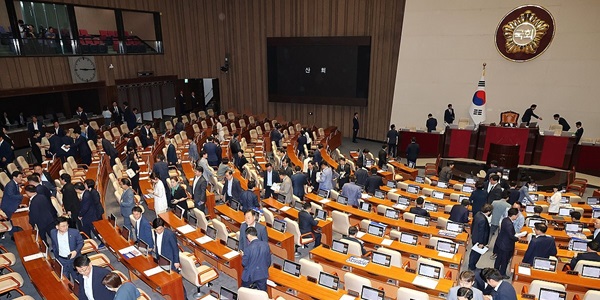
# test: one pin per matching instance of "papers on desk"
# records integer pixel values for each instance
(33, 256)
(185, 229)
(480, 250)
(347, 297)
(365, 196)
(423, 281)
(64, 148)
(446, 254)
(231, 254)
(209, 297)
(153, 271)
(386, 242)
(360, 234)
(380, 171)
(285, 208)
(524, 270)
(324, 201)
(22, 209)
(130, 252)
(400, 206)
(392, 190)
(271, 283)
(203, 240)
(521, 234)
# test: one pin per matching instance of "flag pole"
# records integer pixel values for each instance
(483, 72)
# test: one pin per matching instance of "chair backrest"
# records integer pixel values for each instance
(442, 222)
(581, 263)
(364, 224)
(427, 192)
(202, 223)
(396, 256)
(333, 194)
(115, 132)
(23, 163)
(259, 130)
(188, 268)
(251, 120)
(457, 187)
(293, 228)
(310, 268)
(168, 125)
(382, 208)
(57, 206)
(11, 167)
(509, 117)
(193, 117)
(267, 126)
(434, 240)
(354, 248)
(314, 206)
(355, 283)
(341, 222)
(107, 135)
(591, 295)
(402, 185)
(251, 294)
(406, 293)
(448, 208)
(536, 285)
(221, 230)
(203, 124)
(408, 216)
(269, 219)
(393, 196)
(124, 128)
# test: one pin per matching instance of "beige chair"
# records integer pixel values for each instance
(26, 297)
(100, 260)
(442, 222)
(408, 216)
(364, 224)
(252, 294)
(427, 192)
(393, 196)
(382, 208)
(201, 217)
(355, 283)
(309, 268)
(406, 293)
(222, 232)
(12, 281)
(300, 240)
(433, 241)
(354, 248)
(589, 295)
(196, 273)
(22, 163)
(396, 256)
(334, 195)
(7, 259)
(269, 218)
(89, 245)
(314, 206)
(435, 263)
(454, 197)
(11, 168)
(124, 128)
(463, 122)
(581, 263)
(536, 285)
(341, 222)
(402, 185)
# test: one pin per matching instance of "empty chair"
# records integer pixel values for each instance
(11, 167)
(396, 260)
(536, 285)
(251, 294)
(300, 240)
(402, 185)
(355, 283)
(341, 222)
(457, 187)
(269, 218)
(124, 128)
(448, 208)
(589, 295)
(222, 232)
(354, 248)
(334, 194)
(581, 263)
(201, 217)
(196, 273)
(382, 208)
(442, 222)
(7, 259)
(310, 268)
(408, 216)
(364, 224)
(427, 192)
(454, 197)
(12, 281)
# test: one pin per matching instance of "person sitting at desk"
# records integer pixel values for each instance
(240, 160)
(256, 261)
(374, 181)
(306, 222)
(592, 254)
(142, 230)
(124, 290)
(165, 243)
(555, 199)
(537, 210)
(466, 279)
(352, 231)
(575, 216)
(90, 280)
(524, 193)
(419, 210)
(446, 172)
(541, 245)
(596, 234)
(460, 212)
(250, 220)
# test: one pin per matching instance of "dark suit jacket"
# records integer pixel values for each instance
(60, 132)
(256, 261)
(362, 248)
(592, 256)
(541, 246)
(11, 199)
(506, 238)
(248, 200)
(236, 189)
(129, 117)
(83, 148)
(6, 152)
(478, 198)
(419, 211)
(199, 193)
(459, 214)
(30, 127)
(317, 158)
(361, 176)
(431, 124)
(82, 116)
(382, 155)
(597, 238)
(373, 182)
(212, 150)
(514, 196)
(449, 116)
(100, 291)
(91, 134)
(43, 190)
(162, 170)
(75, 241)
(70, 200)
(301, 142)
(145, 232)
(110, 150)
(505, 291)
(565, 125)
(306, 222)
(131, 145)
(412, 151)
(169, 247)
(171, 155)
(235, 147)
(493, 194)
(40, 212)
(146, 137)
(262, 234)
(355, 123)
(480, 229)
(87, 211)
(298, 181)
(311, 177)
(240, 162)
(274, 178)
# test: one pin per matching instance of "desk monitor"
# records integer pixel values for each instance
(391, 184)
(291, 268)
(233, 243)
(578, 245)
(142, 246)
(281, 198)
(590, 271)
(408, 238)
(178, 211)
(192, 220)
(529, 209)
(429, 271)
(211, 232)
(369, 163)
(413, 189)
(461, 198)
(44, 248)
(596, 213)
(442, 184)
(112, 220)
(329, 281)
(376, 230)
(565, 211)
(532, 188)
(438, 195)
(470, 180)
(227, 294)
(342, 200)
(446, 246)
(549, 294)
(420, 179)
(544, 264)
(321, 214)
(531, 222)
(574, 227)
(593, 201)
(57, 267)
(323, 193)
(125, 233)
(235, 205)
(379, 194)
(391, 213)
(428, 206)
(403, 201)
(369, 293)
(365, 206)
(164, 263)
(420, 220)
(454, 227)
(467, 189)
(298, 205)
(340, 247)
(279, 225)
(565, 199)
(381, 259)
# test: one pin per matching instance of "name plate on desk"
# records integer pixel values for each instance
(357, 261)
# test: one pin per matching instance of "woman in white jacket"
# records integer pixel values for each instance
(555, 200)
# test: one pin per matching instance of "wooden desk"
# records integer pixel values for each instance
(327, 158)
(459, 143)
(574, 284)
(524, 137)
(325, 226)
(168, 285)
(441, 203)
(404, 170)
(388, 278)
(430, 144)
(587, 222)
(299, 287)
(213, 252)
(281, 244)
(446, 191)
(564, 256)
(48, 284)
(387, 202)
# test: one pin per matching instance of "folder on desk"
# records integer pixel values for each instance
(185, 229)
(130, 252)
(231, 254)
(153, 271)
(425, 282)
(203, 240)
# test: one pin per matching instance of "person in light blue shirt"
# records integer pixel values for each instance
(353, 192)
(524, 196)
(124, 290)
(520, 221)
(326, 179)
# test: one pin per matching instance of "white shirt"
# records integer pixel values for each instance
(229, 185)
(596, 232)
(87, 284)
(490, 187)
(63, 244)
(35, 126)
(137, 227)
(269, 178)
(160, 198)
(159, 237)
(555, 202)
(194, 184)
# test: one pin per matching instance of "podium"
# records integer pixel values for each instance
(507, 156)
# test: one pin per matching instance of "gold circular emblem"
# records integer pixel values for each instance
(525, 33)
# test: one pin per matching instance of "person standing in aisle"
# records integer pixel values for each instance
(355, 127)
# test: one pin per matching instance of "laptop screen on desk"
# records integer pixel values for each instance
(470, 180)
(323, 193)
(429, 271)
(408, 238)
(391, 213)
(590, 271)
(233, 243)
(467, 189)
(125, 233)
(413, 189)
(234, 205)
(529, 209)
(381, 259)
(291, 268)
(544, 264)
(279, 225)
(420, 179)
(592, 200)
(403, 201)
(461, 198)
(444, 246)
(369, 293)
(442, 184)
(391, 184)
(379, 194)
(340, 247)
(211, 232)
(531, 222)
(438, 195)
(328, 280)
(365, 206)
(375, 230)
(112, 220)
(227, 294)
(321, 214)
(596, 213)
(454, 227)
(420, 220)
(564, 211)
(192, 220)
(164, 263)
(142, 246)
(564, 199)
(579, 246)
(548, 294)
(281, 198)
(342, 200)
(574, 227)
(428, 206)
(178, 211)
(57, 267)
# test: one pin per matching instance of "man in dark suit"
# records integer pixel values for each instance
(211, 149)
(431, 123)
(70, 199)
(306, 223)
(85, 272)
(492, 170)
(88, 132)
(142, 230)
(57, 130)
(541, 245)
(55, 145)
(311, 176)
(35, 124)
(481, 280)
(45, 178)
(505, 243)
(596, 234)
(131, 145)
(578, 132)
(129, 116)
(270, 176)
(317, 157)
(352, 231)
(87, 210)
(529, 113)
(171, 152)
(514, 193)
(361, 175)
(82, 147)
(298, 182)
(449, 115)
(12, 195)
(343, 170)
(248, 198)
(234, 145)
(562, 122)
(110, 150)
(40, 211)
(6, 153)
(355, 127)
(66, 244)
(34, 179)
(117, 113)
(146, 136)
(240, 160)
(373, 182)
(392, 141)
(181, 103)
(412, 152)
(302, 141)
(480, 234)
(276, 135)
(250, 220)
(591, 254)
(418, 209)
(503, 290)
(460, 212)
(81, 115)
(382, 156)
(166, 243)
(198, 189)
(256, 261)
(161, 169)
(493, 188)
(232, 188)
